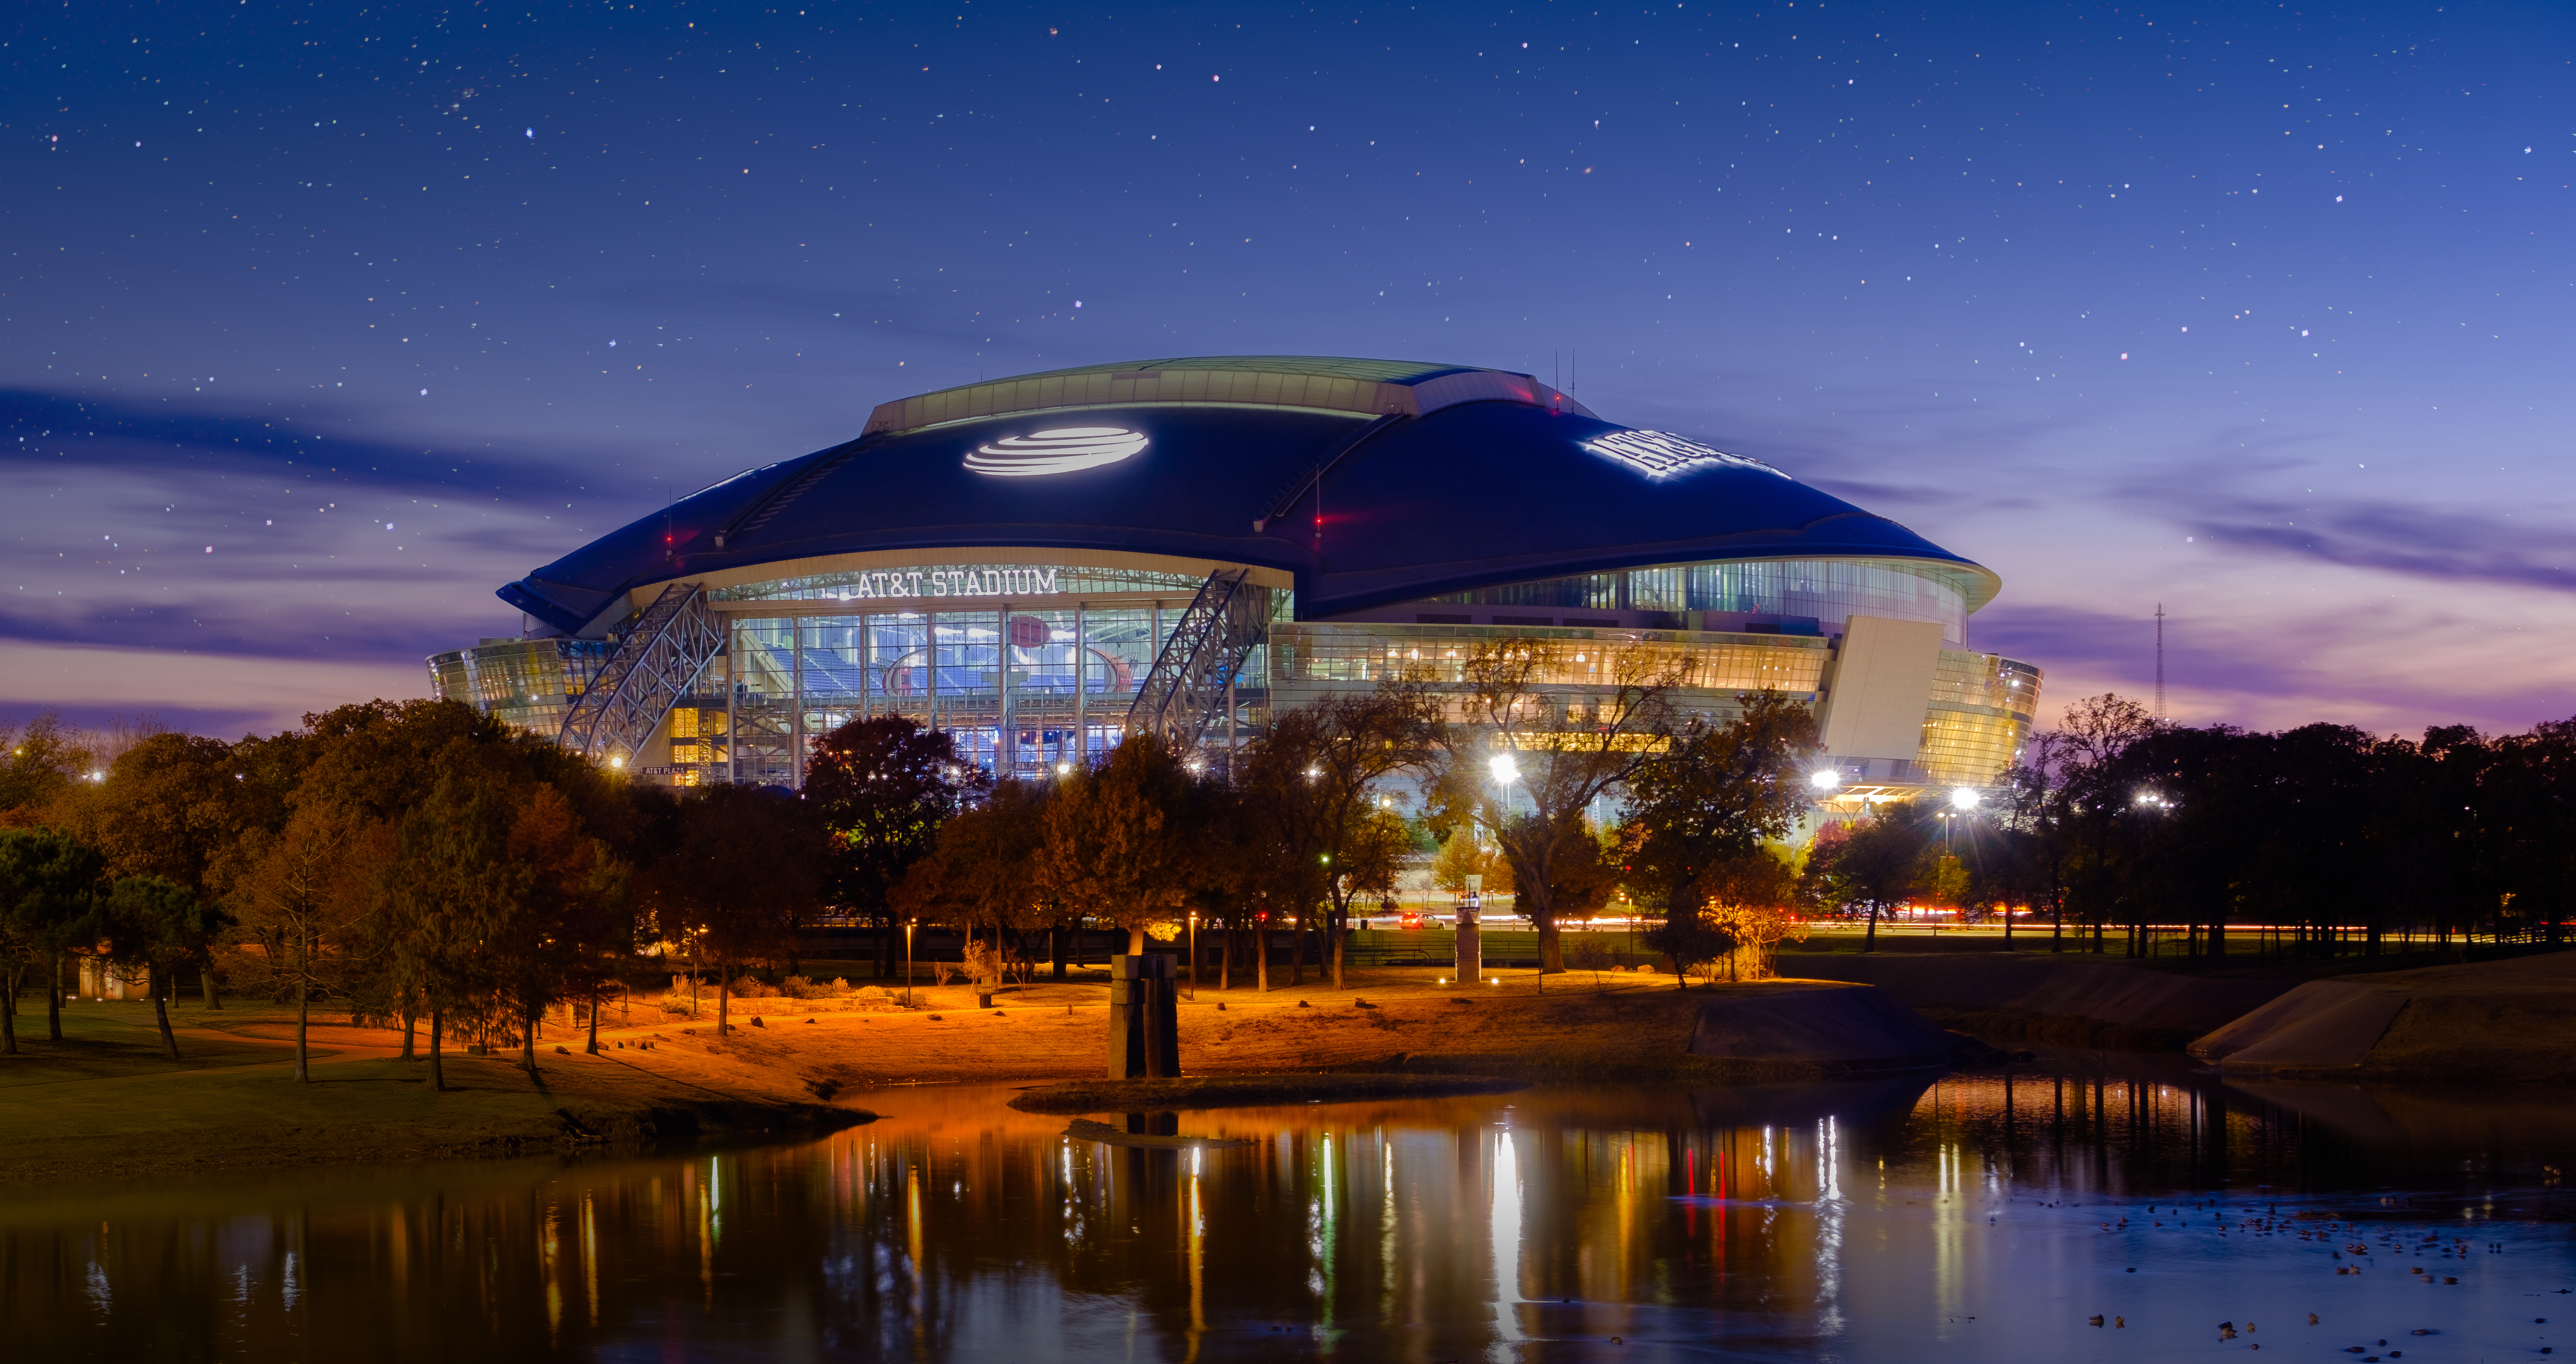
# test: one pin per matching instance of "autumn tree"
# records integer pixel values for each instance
(1461, 856)
(1753, 897)
(565, 916)
(301, 899)
(1692, 940)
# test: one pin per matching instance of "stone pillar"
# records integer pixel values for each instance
(1471, 947)
(1144, 1018)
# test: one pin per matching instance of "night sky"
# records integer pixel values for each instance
(318, 322)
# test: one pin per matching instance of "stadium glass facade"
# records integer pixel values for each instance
(1023, 683)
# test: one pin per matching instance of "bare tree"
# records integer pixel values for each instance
(1538, 733)
(1314, 785)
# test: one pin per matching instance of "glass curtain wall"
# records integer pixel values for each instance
(529, 683)
(1022, 690)
(1827, 589)
(764, 671)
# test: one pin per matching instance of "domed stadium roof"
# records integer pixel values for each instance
(1371, 481)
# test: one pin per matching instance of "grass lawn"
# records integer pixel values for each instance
(107, 1101)
(106, 1039)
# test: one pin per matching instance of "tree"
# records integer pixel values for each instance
(1877, 867)
(171, 806)
(1370, 862)
(299, 897)
(159, 925)
(1693, 939)
(165, 809)
(1753, 896)
(1585, 875)
(41, 763)
(47, 884)
(2094, 790)
(1311, 784)
(438, 900)
(1461, 856)
(1120, 841)
(747, 861)
(983, 871)
(564, 915)
(1543, 730)
(883, 786)
(1719, 792)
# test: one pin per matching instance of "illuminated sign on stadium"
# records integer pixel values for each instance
(960, 581)
(1661, 454)
(1060, 451)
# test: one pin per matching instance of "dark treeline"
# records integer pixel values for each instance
(422, 866)
(415, 863)
(2118, 831)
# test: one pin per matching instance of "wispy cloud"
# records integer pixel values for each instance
(287, 534)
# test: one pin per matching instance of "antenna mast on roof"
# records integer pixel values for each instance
(2160, 661)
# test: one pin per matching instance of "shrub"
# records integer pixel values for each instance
(798, 987)
(753, 987)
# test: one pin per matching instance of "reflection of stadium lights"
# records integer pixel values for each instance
(1061, 451)
(1826, 780)
(1963, 798)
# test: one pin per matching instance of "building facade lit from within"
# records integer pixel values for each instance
(1039, 565)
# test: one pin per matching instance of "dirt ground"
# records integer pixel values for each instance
(104, 1103)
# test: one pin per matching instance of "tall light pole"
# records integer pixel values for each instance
(1194, 956)
(908, 926)
(1506, 771)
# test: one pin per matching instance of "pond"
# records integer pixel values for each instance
(1976, 1216)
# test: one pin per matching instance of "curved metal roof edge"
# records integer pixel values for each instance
(1395, 388)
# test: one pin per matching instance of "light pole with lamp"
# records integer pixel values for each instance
(908, 926)
(1471, 947)
(1194, 956)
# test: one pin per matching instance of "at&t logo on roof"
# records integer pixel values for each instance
(1061, 451)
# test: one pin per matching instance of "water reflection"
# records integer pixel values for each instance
(1919, 1216)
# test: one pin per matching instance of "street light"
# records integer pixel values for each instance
(1505, 770)
(908, 926)
(1194, 956)
(1826, 779)
(1963, 798)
